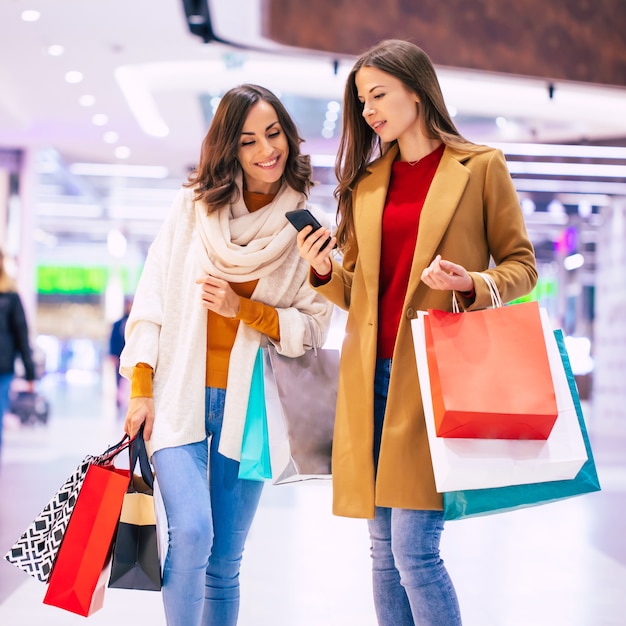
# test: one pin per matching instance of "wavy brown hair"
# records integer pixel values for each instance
(215, 177)
(359, 144)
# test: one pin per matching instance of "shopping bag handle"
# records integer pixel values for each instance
(314, 346)
(110, 454)
(312, 333)
(496, 298)
(138, 452)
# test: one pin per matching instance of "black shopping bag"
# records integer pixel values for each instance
(135, 562)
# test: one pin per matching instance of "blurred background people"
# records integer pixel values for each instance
(116, 345)
(14, 340)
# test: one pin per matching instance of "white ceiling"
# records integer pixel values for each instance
(147, 74)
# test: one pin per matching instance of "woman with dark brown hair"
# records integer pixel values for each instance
(223, 277)
(421, 211)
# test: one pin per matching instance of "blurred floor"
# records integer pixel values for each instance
(563, 564)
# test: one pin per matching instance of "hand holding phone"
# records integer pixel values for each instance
(303, 217)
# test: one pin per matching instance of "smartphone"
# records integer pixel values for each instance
(303, 217)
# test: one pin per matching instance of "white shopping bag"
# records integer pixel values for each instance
(461, 464)
(300, 400)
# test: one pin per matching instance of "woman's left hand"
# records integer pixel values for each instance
(447, 276)
(218, 296)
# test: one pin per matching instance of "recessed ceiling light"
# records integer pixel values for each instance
(110, 137)
(74, 77)
(100, 119)
(122, 152)
(55, 50)
(30, 15)
(87, 100)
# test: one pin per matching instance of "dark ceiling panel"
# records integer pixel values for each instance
(578, 40)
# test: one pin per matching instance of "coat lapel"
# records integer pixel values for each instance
(441, 202)
(369, 206)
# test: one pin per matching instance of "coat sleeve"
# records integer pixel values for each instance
(338, 289)
(513, 255)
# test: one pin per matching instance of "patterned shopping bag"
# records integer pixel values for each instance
(135, 558)
(36, 550)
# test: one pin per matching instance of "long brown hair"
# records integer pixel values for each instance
(359, 145)
(214, 179)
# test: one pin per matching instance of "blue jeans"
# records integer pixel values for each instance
(209, 513)
(411, 584)
(5, 385)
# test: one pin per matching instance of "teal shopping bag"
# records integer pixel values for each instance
(475, 502)
(255, 447)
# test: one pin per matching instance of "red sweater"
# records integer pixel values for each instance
(407, 191)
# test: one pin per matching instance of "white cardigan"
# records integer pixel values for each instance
(167, 329)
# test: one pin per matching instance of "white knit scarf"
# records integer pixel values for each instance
(240, 246)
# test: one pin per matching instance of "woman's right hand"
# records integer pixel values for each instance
(309, 244)
(140, 411)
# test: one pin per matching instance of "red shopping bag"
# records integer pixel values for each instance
(490, 374)
(80, 573)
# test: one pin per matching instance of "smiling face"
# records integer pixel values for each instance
(263, 149)
(389, 107)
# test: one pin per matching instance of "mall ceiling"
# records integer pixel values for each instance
(571, 40)
(103, 105)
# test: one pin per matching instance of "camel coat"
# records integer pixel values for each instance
(471, 214)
